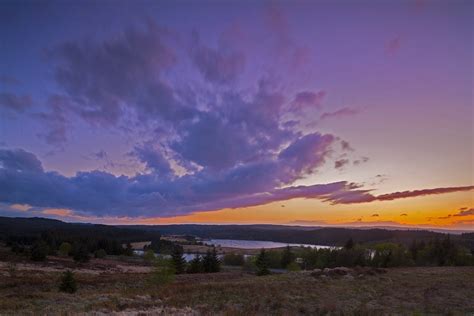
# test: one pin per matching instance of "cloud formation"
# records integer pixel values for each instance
(24, 181)
(205, 143)
(221, 65)
(339, 113)
(15, 102)
(363, 196)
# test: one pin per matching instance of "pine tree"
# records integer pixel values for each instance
(195, 265)
(211, 262)
(179, 262)
(349, 244)
(206, 262)
(287, 257)
(414, 250)
(262, 263)
(68, 282)
(215, 262)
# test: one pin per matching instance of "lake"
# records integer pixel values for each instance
(256, 244)
(241, 244)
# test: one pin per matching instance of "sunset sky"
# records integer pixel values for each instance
(351, 113)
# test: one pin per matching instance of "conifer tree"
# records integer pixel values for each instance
(287, 257)
(262, 263)
(195, 265)
(211, 262)
(215, 262)
(349, 244)
(179, 262)
(206, 262)
(68, 282)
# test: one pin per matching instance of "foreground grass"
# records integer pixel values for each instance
(403, 291)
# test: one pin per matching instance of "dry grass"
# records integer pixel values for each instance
(404, 291)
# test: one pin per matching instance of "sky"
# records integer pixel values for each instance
(346, 113)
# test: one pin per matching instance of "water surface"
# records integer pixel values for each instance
(256, 244)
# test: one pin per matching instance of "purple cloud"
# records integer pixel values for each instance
(15, 102)
(55, 121)
(108, 79)
(23, 181)
(306, 99)
(154, 160)
(339, 113)
(221, 65)
(363, 196)
(19, 160)
(339, 164)
(360, 161)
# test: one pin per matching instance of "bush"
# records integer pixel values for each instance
(149, 255)
(249, 264)
(232, 259)
(100, 254)
(65, 249)
(163, 273)
(274, 258)
(68, 282)
(293, 266)
(390, 255)
(39, 251)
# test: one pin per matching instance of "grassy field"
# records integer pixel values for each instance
(124, 288)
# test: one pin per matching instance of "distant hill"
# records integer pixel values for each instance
(331, 236)
(33, 227)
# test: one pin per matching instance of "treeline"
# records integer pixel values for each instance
(437, 252)
(163, 246)
(38, 237)
(81, 247)
(330, 236)
(209, 263)
(27, 230)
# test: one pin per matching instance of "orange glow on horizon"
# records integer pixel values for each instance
(430, 211)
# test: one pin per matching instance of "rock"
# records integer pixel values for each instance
(316, 273)
(348, 277)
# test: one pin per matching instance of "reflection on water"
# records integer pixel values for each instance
(241, 244)
(256, 244)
